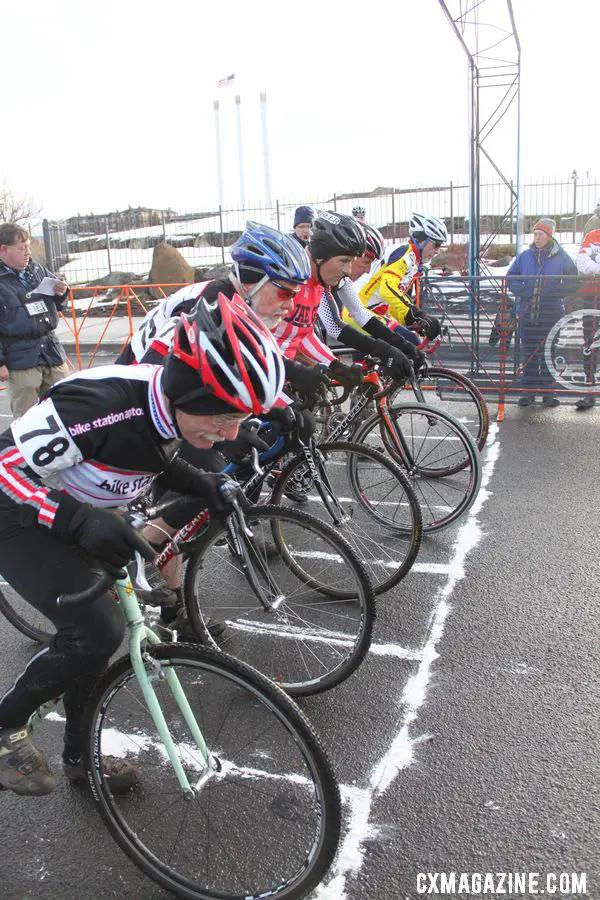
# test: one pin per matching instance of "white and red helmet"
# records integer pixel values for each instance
(223, 357)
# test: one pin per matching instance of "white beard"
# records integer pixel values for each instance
(270, 322)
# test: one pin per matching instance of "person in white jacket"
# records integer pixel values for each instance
(588, 263)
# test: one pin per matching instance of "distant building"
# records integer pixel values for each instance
(121, 220)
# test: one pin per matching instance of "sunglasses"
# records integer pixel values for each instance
(286, 293)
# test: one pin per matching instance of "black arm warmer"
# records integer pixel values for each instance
(358, 341)
(180, 476)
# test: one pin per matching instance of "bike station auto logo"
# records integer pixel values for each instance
(571, 349)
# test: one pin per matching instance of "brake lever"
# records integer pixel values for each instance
(256, 466)
(139, 575)
(230, 492)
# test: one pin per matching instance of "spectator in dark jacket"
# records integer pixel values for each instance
(535, 278)
(303, 218)
(31, 356)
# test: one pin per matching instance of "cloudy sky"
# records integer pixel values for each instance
(109, 104)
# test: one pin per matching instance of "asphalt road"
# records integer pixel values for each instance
(468, 739)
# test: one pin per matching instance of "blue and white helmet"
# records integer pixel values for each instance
(423, 227)
(262, 252)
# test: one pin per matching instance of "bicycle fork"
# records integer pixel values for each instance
(141, 663)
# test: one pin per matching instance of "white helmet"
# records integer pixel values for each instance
(427, 227)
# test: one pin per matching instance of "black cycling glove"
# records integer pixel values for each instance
(183, 478)
(247, 439)
(426, 324)
(395, 364)
(306, 380)
(378, 330)
(348, 376)
(107, 537)
(287, 418)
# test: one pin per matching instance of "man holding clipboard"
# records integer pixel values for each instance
(32, 358)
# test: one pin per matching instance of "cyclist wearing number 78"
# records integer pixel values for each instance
(93, 444)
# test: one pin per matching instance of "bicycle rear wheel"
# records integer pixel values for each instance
(265, 823)
(373, 506)
(297, 603)
(438, 454)
(457, 394)
(23, 616)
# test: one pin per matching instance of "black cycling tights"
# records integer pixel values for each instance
(40, 566)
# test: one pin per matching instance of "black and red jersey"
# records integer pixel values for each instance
(99, 437)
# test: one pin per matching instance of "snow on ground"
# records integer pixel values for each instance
(93, 264)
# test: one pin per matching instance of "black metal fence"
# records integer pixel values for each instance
(55, 244)
(204, 236)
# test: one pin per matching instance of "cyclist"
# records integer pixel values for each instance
(268, 270)
(335, 242)
(94, 443)
(359, 213)
(393, 282)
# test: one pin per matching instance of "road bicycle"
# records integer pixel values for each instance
(296, 601)
(237, 797)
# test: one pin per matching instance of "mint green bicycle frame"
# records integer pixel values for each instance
(139, 634)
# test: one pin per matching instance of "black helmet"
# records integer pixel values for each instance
(336, 235)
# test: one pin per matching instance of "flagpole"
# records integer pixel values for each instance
(219, 160)
(240, 148)
(263, 106)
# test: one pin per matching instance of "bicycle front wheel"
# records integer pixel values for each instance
(455, 391)
(438, 454)
(264, 822)
(371, 502)
(296, 602)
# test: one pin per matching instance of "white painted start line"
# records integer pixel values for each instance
(401, 752)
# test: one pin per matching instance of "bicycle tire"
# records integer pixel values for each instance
(480, 427)
(243, 805)
(319, 626)
(378, 548)
(29, 622)
(438, 510)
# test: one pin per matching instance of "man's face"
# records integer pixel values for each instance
(204, 431)
(429, 250)
(335, 269)
(16, 255)
(303, 231)
(274, 301)
(360, 266)
(541, 239)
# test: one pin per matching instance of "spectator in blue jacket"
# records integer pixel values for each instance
(32, 358)
(535, 278)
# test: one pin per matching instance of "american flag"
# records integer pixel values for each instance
(223, 82)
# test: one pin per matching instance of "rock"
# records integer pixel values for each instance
(169, 267)
(112, 279)
(204, 274)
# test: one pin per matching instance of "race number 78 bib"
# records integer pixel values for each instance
(44, 440)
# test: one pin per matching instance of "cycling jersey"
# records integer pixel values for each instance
(161, 339)
(99, 437)
(182, 300)
(296, 333)
(392, 282)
